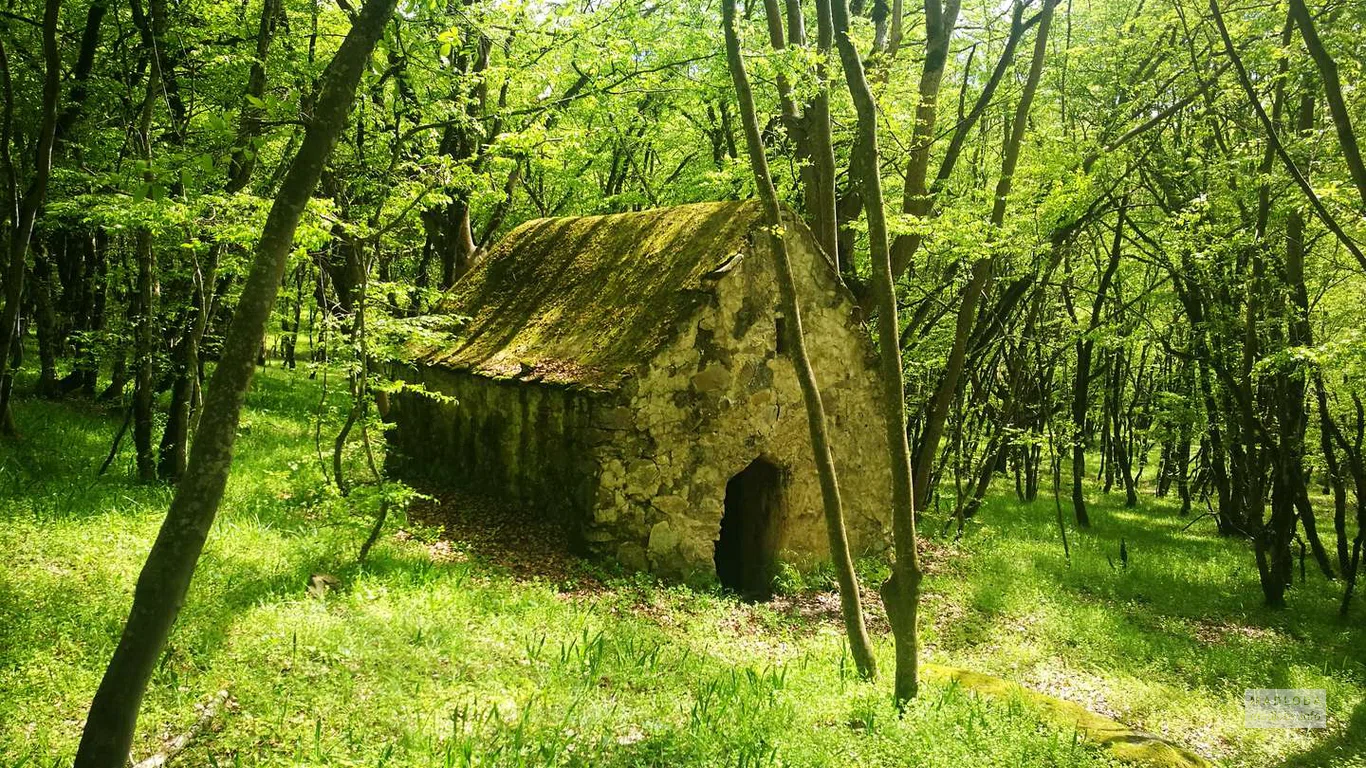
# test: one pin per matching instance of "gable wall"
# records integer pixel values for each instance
(720, 396)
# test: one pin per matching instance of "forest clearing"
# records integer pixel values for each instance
(685, 382)
(439, 652)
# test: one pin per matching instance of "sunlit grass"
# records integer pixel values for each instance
(426, 660)
(1167, 643)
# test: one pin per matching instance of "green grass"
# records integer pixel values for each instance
(426, 659)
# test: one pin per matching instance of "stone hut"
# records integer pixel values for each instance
(628, 375)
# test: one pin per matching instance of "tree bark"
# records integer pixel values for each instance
(165, 578)
(1332, 86)
(936, 413)
(144, 358)
(940, 20)
(1119, 444)
(850, 601)
(185, 389)
(1081, 386)
(45, 318)
(27, 208)
(901, 591)
(905, 246)
(1269, 126)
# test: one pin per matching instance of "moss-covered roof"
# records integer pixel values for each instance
(586, 301)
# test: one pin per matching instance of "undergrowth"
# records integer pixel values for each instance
(431, 656)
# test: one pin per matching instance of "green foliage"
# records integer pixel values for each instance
(429, 655)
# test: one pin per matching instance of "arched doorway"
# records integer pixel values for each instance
(748, 541)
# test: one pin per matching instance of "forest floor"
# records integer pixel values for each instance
(488, 646)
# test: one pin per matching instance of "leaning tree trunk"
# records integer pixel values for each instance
(1332, 87)
(165, 578)
(850, 603)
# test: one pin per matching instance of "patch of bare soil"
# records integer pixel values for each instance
(824, 608)
(1218, 632)
(530, 547)
(524, 544)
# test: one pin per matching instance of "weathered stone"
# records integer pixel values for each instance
(663, 539)
(711, 379)
(632, 557)
(606, 513)
(650, 386)
(642, 479)
(616, 418)
(596, 535)
(674, 506)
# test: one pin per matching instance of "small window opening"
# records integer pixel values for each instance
(747, 545)
(780, 325)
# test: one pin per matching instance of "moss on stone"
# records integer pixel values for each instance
(1121, 741)
(586, 301)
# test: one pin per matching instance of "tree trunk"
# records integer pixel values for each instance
(165, 578)
(45, 318)
(145, 315)
(144, 359)
(27, 208)
(936, 413)
(175, 440)
(1332, 86)
(850, 602)
(1081, 385)
(940, 19)
(901, 591)
(1120, 447)
(1290, 378)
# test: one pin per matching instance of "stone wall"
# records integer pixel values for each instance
(526, 443)
(723, 394)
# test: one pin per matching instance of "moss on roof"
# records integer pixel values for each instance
(586, 301)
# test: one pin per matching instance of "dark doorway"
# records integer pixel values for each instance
(749, 530)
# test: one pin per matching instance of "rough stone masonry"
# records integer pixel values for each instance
(627, 375)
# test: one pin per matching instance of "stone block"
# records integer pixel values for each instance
(711, 379)
(632, 557)
(663, 540)
(672, 505)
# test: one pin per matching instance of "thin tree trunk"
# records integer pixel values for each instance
(1333, 473)
(1269, 126)
(181, 418)
(1290, 383)
(1332, 86)
(940, 20)
(165, 578)
(1081, 386)
(1122, 460)
(825, 218)
(901, 591)
(27, 208)
(145, 316)
(850, 602)
(144, 337)
(982, 270)
(905, 247)
(45, 319)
